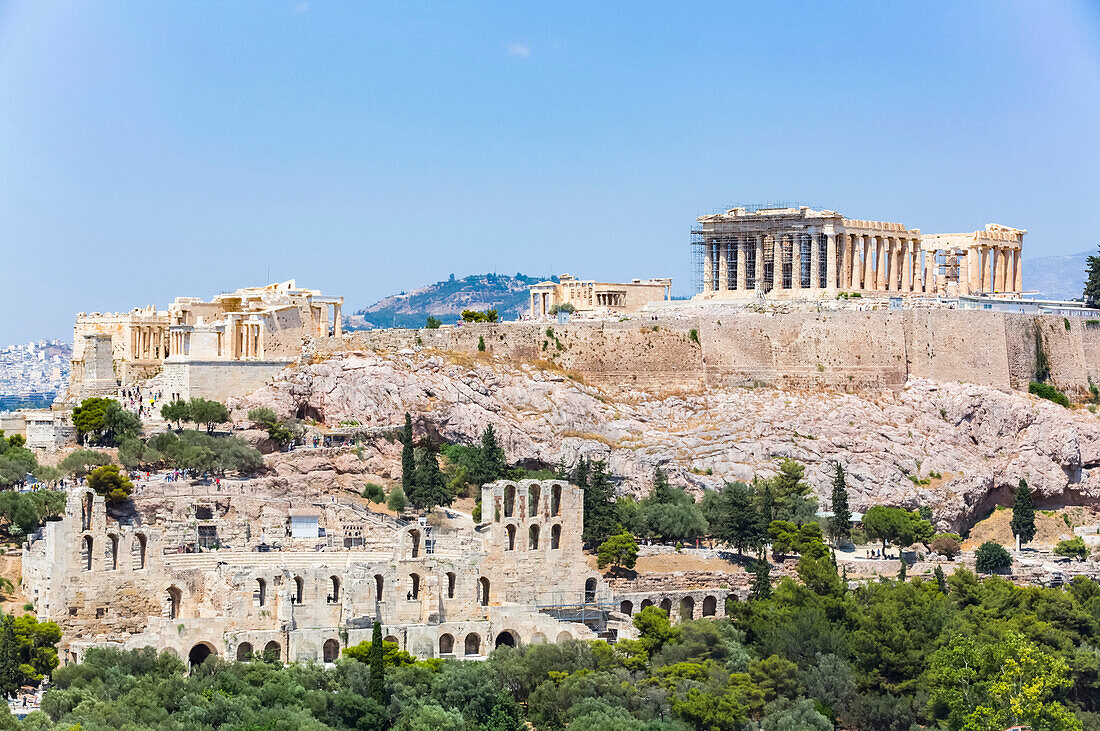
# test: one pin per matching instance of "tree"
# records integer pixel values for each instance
(901, 527)
(179, 412)
(791, 494)
(491, 463)
(1074, 548)
(481, 343)
(946, 545)
(83, 461)
(208, 412)
(261, 416)
(110, 483)
(761, 582)
(941, 580)
(1092, 281)
(396, 500)
(619, 551)
(408, 456)
(599, 507)
(734, 520)
(429, 487)
(992, 557)
(1023, 514)
(374, 492)
(119, 424)
(433, 323)
(9, 658)
(377, 672)
(840, 525)
(88, 417)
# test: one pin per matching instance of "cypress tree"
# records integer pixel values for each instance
(762, 579)
(491, 462)
(841, 524)
(581, 479)
(1023, 514)
(1092, 281)
(599, 507)
(662, 492)
(377, 673)
(429, 486)
(941, 580)
(408, 457)
(9, 657)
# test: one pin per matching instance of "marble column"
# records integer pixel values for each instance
(758, 275)
(880, 274)
(930, 272)
(1017, 272)
(796, 261)
(777, 262)
(987, 285)
(1002, 269)
(723, 267)
(845, 260)
(868, 262)
(830, 260)
(742, 273)
(907, 265)
(708, 279)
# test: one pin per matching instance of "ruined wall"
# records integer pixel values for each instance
(218, 380)
(845, 350)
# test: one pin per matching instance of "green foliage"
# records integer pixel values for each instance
(88, 417)
(992, 557)
(1092, 281)
(481, 343)
(110, 483)
(479, 316)
(83, 461)
(946, 545)
(27, 651)
(408, 455)
(1074, 548)
(23, 512)
(1042, 362)
(202, 453)
(429, 487)
(104, 421)
(16, 462)
(667, 513)
(374, 492)
(620, 551)
(694, 335)
(396, 501)
(208, 412)
(179, 411)
(1048, 392)
(600, 520)
(734, 517)
(901, 527)
(433, 323)
(1023, 513)
(840, 525)
(261, 417)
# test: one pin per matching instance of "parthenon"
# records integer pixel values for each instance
(805, 253)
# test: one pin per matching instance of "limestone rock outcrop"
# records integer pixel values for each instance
(958, 448)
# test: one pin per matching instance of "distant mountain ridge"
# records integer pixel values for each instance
(1056, 277)
(446, 300)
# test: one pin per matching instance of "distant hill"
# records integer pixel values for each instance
(447, 299)
(1056, 277)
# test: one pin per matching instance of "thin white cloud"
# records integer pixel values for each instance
(302, 7)
(519, 49)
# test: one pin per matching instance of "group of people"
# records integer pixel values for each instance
(142, 404)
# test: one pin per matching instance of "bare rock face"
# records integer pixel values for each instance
(958, 448)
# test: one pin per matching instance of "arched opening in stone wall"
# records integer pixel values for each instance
(137, 551)
(451, 578)
(334, 595)
(299, 590)
(510, 532)
(330, 651)
(86, 553)
(378, 583)
(483, 591)
(273, 652)
(506, 639)
(393, 639)
(555, 538)
(244, 652)
(199, 653)
(646, 603)
(626, 607)
(538, 639)
(687, 608)
(555, 500)
(414, 543)
(509, 500)
(533, 538)
(112, 552)
(86, 511)
(731, 600)
(473, 644)
(589, 591)
(710, 606)
(564, 637)
(259, 594)
(534, 495)
(414, 586)
(446, 644)
(666, 607)
(175, 601)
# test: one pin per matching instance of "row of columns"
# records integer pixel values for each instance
(885, 264)
(994, 269)
(250, 339)
(147, 342)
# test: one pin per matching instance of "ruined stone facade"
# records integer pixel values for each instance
(221, 573)
(227, 346)
(804, 253)
(593, 298)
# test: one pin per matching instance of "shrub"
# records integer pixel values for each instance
(110, 483)
(694, 335)
(946, 545)
(618, 551)
(1074, 548)
(480, 343)
(396, 500)
(859, 536)
(992, 557)
(262, 417)
(433, 323)
(374, 492)
(1050, 393)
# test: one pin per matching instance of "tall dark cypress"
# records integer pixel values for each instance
(1023, 514)
(841, 524)
(762, 579)
(408, 457)
(377, 673)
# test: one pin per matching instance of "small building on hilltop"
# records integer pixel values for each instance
(593, 299)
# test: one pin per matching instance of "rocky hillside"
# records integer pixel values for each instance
(960, 449)
(446, 300)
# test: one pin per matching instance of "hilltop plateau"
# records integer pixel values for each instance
(958, 448)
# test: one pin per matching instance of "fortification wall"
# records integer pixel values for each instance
(847, 350)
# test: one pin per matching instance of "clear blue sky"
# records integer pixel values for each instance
(155, 149)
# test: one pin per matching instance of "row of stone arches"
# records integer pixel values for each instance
(138, 548)
(534, 498)
(686, 606)
(533, 536)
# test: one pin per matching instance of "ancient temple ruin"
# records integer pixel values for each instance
(799, 252)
